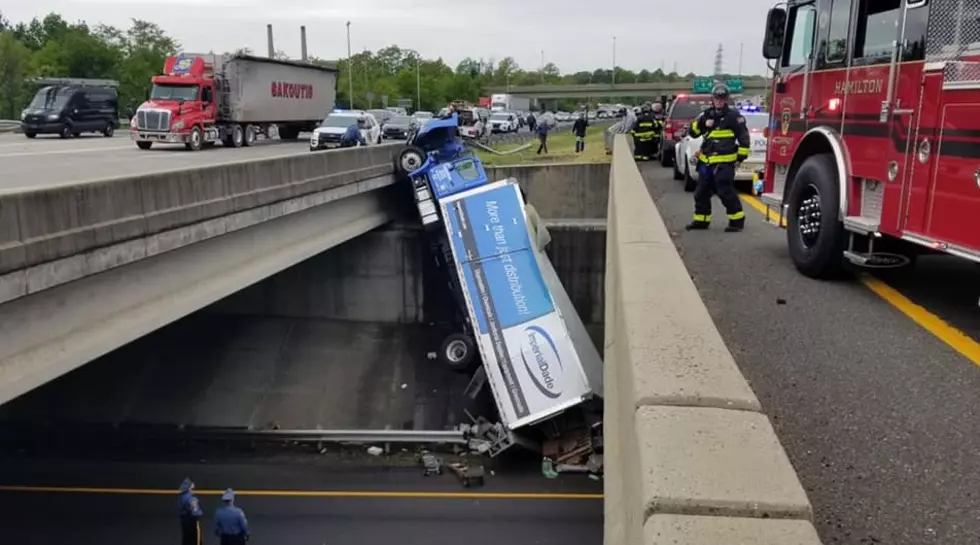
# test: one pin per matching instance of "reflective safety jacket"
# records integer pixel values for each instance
(726, 138)
(645, 127)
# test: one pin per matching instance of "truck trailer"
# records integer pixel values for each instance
(509, 103)
(202, 99)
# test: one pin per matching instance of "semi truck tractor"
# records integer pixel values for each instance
(202, 99)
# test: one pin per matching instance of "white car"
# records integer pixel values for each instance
(504, 122)
(422, 117)
(687, 146)
(333, 127)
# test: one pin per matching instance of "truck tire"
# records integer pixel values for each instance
(666, 158)
(458, 352)
(814, 232)
(30, 134)
(237, 136)
(196, 141)
(144, 145)
(250, 134)
(690, 184)
(66, 132)
(109, 130)
(409, 159)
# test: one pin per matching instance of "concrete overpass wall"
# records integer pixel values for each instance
(690, 457)
(89, 268)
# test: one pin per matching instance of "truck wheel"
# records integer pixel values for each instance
(666, 158)
(144, 145)
(690, 184)
(237, 136)
(66, 132)
(196, 141)
(814, 231)
(30, 134)
(250, 134)
(457, 351)
(409, 160)
(109, 130)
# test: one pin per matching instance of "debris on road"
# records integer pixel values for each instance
(469, 475)
(430, 463)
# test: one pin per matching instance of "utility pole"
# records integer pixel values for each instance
(542, 66)
(350, 69)
(614, 62)
(418, 81)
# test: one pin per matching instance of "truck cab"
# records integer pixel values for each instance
(183, 105)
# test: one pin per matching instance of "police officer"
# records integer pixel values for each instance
(230, 524)
(190, 515)
(725, 146)
(643, 134)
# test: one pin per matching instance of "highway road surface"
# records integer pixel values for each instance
(872, 383)
(95, 503)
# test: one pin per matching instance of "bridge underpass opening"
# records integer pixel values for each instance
(339, 341)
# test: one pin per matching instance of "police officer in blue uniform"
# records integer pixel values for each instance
(724, 147)
(190, 515)
(353, 137)
(230, 524)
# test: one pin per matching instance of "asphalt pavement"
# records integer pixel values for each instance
(94, 503)
(879, 416)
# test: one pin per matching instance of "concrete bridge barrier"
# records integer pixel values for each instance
(690, 457)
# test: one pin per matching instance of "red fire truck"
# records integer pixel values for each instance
(874, 136)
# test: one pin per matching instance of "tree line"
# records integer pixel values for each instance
(53, 47)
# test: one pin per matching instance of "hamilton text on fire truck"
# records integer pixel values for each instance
(858, 87)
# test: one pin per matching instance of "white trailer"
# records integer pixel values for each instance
(509, 103)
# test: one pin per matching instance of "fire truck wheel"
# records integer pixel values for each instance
(815, 233)
(409, 160)
(457, 351)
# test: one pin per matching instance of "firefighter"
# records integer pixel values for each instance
(643, 134)
(724, 147)
(190, 515)
(659, 122)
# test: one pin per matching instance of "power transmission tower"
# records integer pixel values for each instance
(719, 60)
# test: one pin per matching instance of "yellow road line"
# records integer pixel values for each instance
(308, 493)
(939, 328)
(754, 202)
(954, 338)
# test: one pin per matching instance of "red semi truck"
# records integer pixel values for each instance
(202, 99)
(874, 137)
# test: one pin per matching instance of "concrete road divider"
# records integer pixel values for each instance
(690, 457)
(55, 235)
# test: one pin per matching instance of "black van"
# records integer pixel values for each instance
(69, 110)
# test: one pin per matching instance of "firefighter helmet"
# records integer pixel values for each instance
(720, 91)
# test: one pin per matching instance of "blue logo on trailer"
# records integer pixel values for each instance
(183, 65)
(542, 362)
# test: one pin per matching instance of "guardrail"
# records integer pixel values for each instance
(690, 457)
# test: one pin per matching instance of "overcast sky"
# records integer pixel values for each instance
(573, 39)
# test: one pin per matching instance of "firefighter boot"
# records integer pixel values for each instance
(701, 222)
(735, 226)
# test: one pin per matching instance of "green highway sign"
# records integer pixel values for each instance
(703, 85)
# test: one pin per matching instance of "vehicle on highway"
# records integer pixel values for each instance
(398, 110)
(509, 103)
(203, 99)
(330, 131)
(898, 174)
(682, 111)
(471, 124)
(398, 127)
(686, 166)
(68, 107)
(381, 115)
(504, 122)
(421, 117)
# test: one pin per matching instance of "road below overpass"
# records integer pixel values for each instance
(294, 503)
(871, 383)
